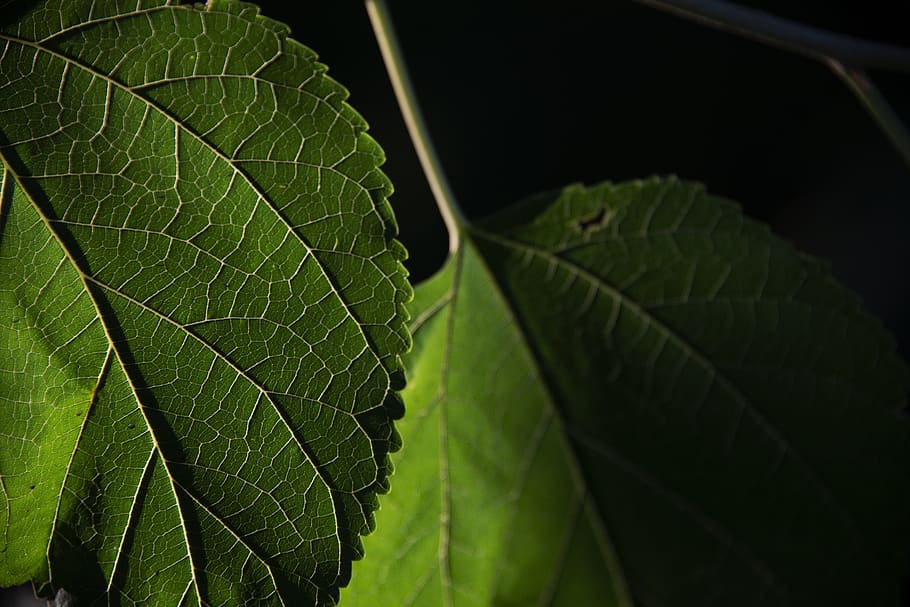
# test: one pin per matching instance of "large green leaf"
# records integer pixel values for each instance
(631, 395)
(201, 308)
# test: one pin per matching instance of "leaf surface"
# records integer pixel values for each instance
(201, 309)
(631, 395)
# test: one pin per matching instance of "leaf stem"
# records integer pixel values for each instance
(845, 55)
(413, 118)
(775, 31)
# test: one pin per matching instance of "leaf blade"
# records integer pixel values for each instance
(491, 469)
(733, 414)
(257, 320)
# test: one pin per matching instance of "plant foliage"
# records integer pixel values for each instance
(622, 395)
(632, 395)
(202, 308)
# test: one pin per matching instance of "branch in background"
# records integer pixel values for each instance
(876, 105)
(815, 43)
(846, 56)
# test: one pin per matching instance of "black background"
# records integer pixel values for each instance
(523, 97)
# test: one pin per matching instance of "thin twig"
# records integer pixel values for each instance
(413, 118)
(844, 55)
(876, 105)
(815, 43)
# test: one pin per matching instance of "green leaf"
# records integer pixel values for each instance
(201, 308)
(631, 395)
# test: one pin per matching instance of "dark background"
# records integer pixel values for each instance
(523, 97)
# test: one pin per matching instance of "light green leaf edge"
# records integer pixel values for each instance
(35, 466)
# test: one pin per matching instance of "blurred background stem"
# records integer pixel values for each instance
(846, 56)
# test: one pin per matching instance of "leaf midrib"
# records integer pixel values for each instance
(583, 497)
(112, 344)
(445, 516)
(604, 540)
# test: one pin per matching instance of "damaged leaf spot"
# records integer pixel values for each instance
(592, 223)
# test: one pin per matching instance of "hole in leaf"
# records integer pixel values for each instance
(593, 222)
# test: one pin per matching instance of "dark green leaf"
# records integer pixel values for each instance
(631, 395)
(201, 308)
